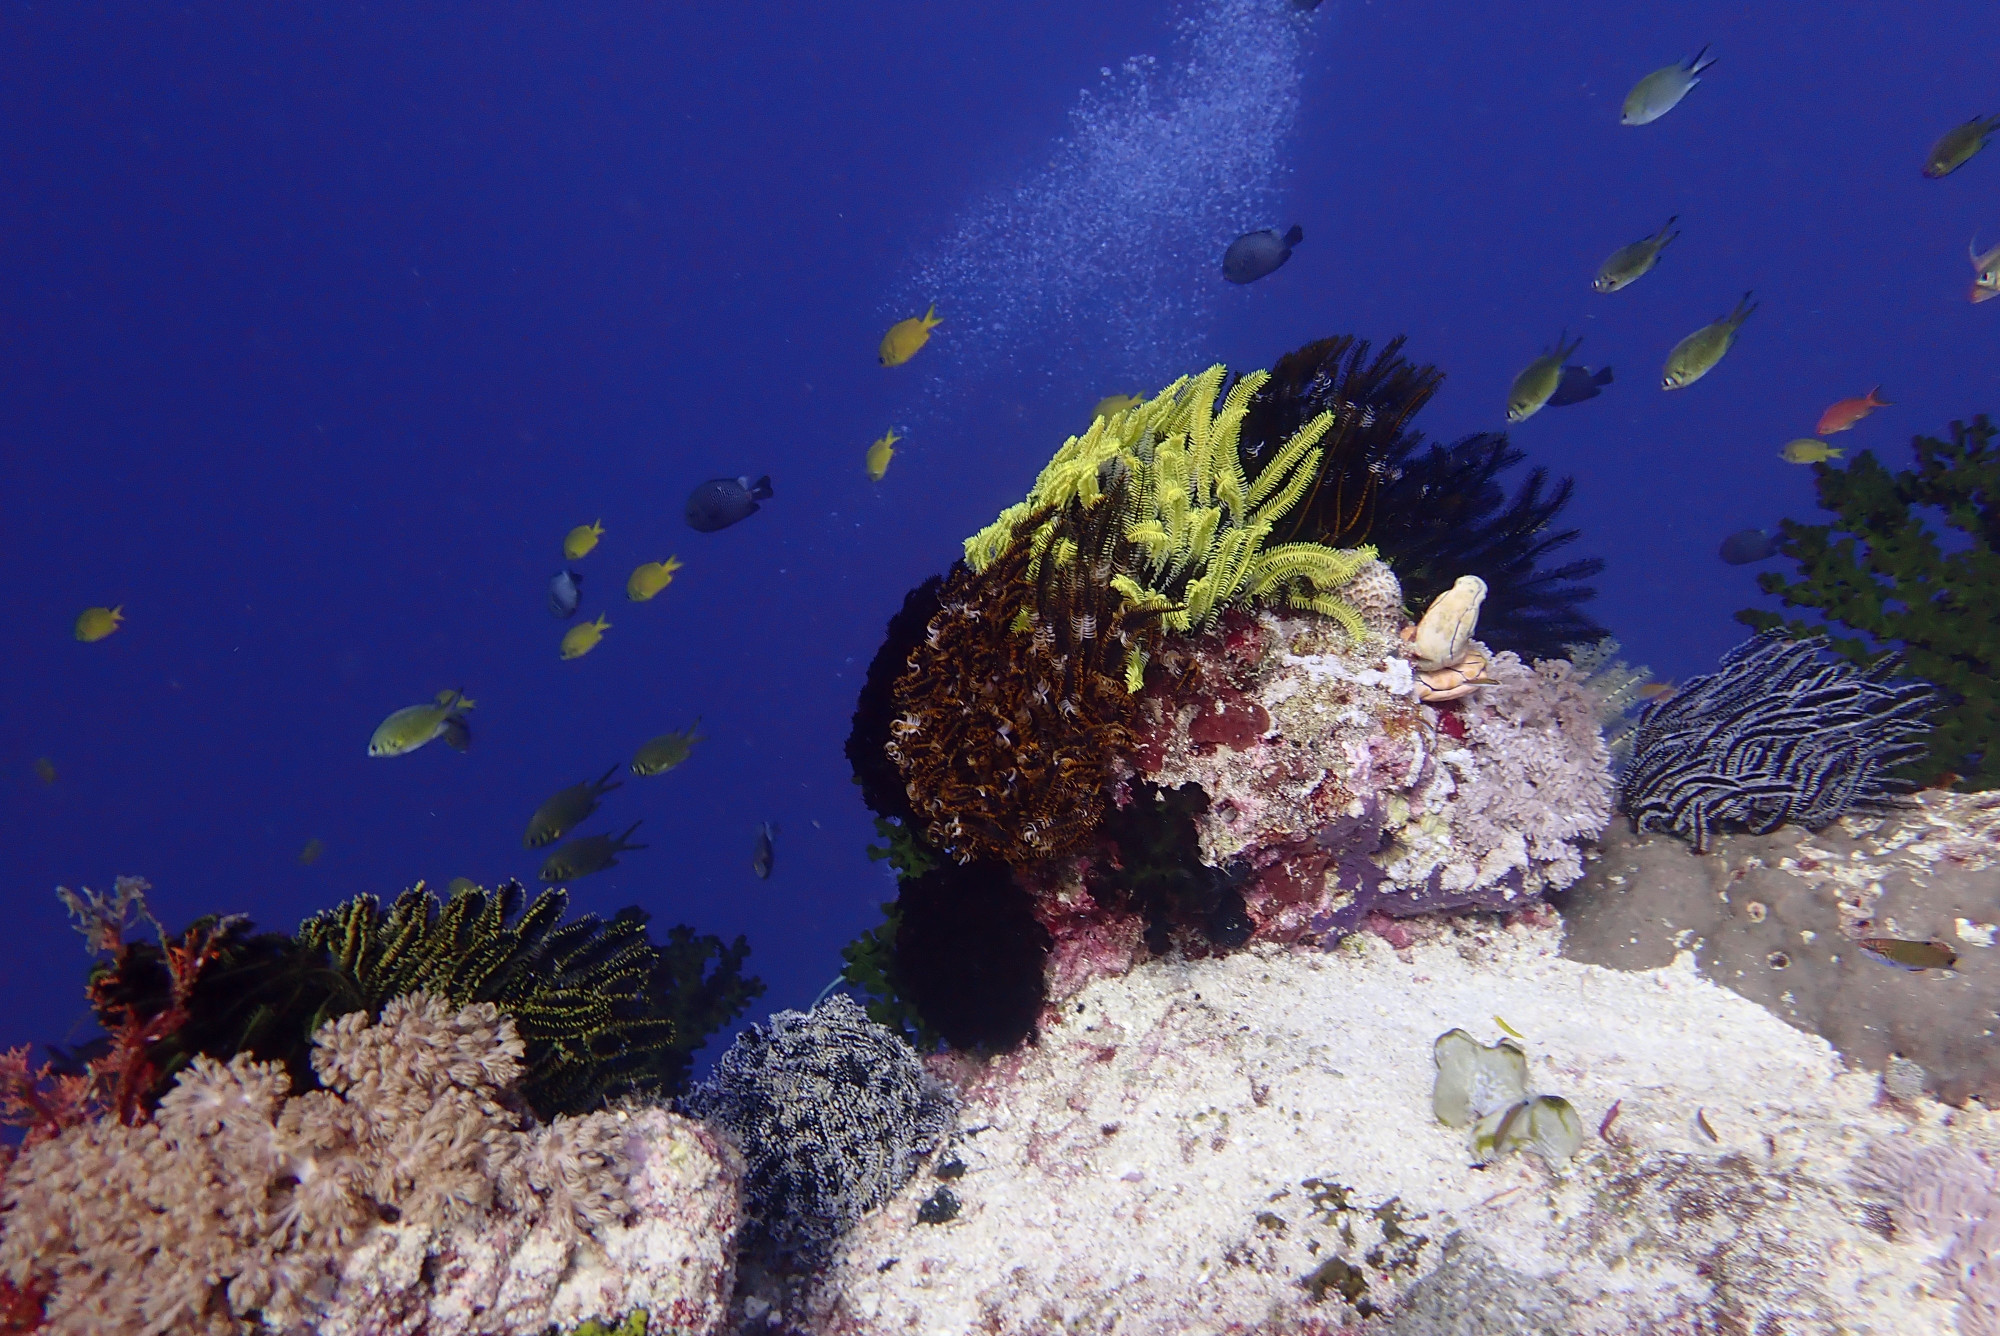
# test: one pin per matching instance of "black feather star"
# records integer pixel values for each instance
(1776, 735)
(1434, 512)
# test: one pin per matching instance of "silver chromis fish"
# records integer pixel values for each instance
(563, 593)
(1534, 385)
(761, 856)
(1696, 355)
(413, 726)
(592, 853)
(1630, 263)
(1985, 272)
(1662, 90)
(567, 810)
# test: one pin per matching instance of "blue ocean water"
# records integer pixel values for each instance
(321, 325)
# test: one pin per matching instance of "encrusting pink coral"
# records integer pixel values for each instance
(240, 1208)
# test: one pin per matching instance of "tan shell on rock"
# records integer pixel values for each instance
(1444, 636)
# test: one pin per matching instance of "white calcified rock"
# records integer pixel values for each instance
(1247, 1144)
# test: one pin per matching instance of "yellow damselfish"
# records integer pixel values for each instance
(580, 640)
(879, 455)
(578, 542)
(1113, 404)
(905, 337)
(650, 578)
(97, 623)
(1809, 450)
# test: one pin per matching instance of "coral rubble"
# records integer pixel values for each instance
(1880, 571)
(1776, 735)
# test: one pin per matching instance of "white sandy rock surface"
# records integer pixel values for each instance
(1246, 1144)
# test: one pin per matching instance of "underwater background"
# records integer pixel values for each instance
(323, 326)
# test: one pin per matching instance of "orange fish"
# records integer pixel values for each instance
(1850, 411)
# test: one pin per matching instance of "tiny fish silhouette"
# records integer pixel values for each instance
(1258, 254)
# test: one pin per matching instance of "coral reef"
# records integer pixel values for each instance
(410, 1184)
(1776, 735)
(1880, 571)
(1341, 796)
(1777, 918)
(601, 1008)
(1244, 1144)
(832, 1112)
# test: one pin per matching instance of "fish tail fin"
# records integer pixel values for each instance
(1295, 236)
(621, 841)
(1742, 311)
(760, 490)
(1836, 451)
(1696, 65)
(1602, 377)
(931, 320)
(1875, 398)
(603, 784)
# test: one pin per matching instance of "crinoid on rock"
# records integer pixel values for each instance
(1012, 714)
(1017, 703)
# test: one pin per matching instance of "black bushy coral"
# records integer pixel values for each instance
(1777, 735)
(1153, 866)
(1372, 402)
(1434, 512)
(1879, 570)
(868, 740)
(1446, 513)
(833, 1114)
(970, 955)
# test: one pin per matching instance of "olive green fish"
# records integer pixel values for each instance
(1630, 263)
(1909, 955)
(592, 853)
(666, 751)
(567, 810)
(1662, 90)
(1956, 147)
(1696, 355)
(1533, 386)
(413, 726)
